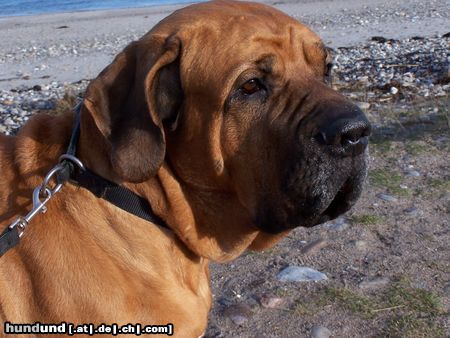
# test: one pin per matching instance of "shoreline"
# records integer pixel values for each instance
(102, 9)
(108, 12)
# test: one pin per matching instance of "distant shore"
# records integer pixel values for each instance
(10, 8)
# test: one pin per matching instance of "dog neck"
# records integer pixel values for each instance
(212, 225)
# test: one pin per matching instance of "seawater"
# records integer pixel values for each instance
(29, 7)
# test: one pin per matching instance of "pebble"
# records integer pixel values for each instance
(387, 197)
(412, 211)
(300, 274)
(363, 105)
(44, 105)
(9, 122)
(225, 301)
(318, 331)
(360, 244)
(238, 313)
(412, 173)
(374, 283)
(269, 301)
(338, 224)
(394, 90)
(314, 246)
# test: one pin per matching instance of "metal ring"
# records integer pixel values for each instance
(72, 159)
(48, 177)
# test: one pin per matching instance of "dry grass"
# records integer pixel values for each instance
(407, 311)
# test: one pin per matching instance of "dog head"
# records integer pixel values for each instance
(232, 97)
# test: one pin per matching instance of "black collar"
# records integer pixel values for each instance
(120, 196)
(71, 169)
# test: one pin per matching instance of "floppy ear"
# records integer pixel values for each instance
(129, 101)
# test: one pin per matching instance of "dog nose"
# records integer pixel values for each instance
(347, 135)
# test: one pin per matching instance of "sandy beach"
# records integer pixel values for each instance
(69, 47)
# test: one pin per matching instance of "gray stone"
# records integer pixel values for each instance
(9, 122)
(338, 224)
(360, 244)
(412, 211)
(314, 246)
(269, 301)
(300, 274)
(412, 173)
(224, 301)
(363, 105)
(374, 283)
(238, 313)
(44, 105)
(318, 331)
(387, 197)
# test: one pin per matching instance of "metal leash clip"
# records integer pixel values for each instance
(46, 192)
(41, 195)
(60, 174)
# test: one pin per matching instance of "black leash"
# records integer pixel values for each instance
(70, 168)
(9, 239)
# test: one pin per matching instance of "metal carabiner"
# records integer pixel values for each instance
(38, 207)
(43, 193)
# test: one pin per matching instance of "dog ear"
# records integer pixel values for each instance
(129, 102)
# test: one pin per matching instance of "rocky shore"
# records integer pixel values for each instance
(381, 71)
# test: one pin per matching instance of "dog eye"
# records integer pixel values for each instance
(252, 86)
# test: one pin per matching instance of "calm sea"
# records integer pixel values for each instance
(26, 7)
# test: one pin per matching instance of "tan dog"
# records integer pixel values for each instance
(220, 117)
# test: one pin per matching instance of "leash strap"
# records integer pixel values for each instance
(67, 163)
(9, 239)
